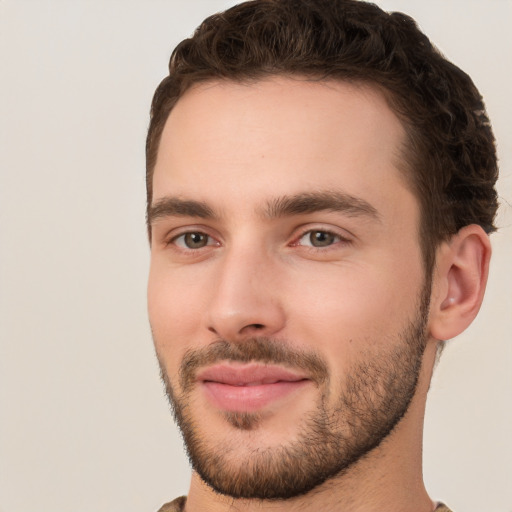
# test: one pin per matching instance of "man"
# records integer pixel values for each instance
(320, 193)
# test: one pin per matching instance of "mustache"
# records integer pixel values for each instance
(260, 350)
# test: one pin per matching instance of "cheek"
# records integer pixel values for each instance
(348, 312)
(174, 311)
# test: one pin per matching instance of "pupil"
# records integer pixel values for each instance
(321, 238)
(195, 240)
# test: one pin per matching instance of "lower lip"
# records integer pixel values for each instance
(249, 398)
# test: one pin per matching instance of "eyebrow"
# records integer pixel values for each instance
(311, 202)
(283, 206)
(176, 207)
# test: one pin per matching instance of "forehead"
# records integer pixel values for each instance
(279, 136)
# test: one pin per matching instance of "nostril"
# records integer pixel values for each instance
(246, 328)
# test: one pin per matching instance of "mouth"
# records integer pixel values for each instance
(248, 387)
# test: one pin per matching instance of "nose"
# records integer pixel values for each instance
(246, 301)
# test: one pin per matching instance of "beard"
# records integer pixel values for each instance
(347, 422)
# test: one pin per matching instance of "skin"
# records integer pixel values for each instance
(236, 148)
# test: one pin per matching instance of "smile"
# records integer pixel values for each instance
(248, 388)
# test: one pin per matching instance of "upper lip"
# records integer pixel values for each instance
(248, 374)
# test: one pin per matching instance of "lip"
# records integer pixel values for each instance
(248, 387)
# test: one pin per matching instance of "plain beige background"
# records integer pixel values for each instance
(84, 425)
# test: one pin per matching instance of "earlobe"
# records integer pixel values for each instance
(460, 277)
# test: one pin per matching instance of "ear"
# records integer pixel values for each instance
(460, 277)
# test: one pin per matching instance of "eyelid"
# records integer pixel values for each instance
(183, 245)
(175, 233)
(343, 235)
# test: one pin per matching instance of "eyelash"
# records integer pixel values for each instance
(174, 239)
(336, 239)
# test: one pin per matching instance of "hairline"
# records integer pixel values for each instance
(259, 76)
(405, 159)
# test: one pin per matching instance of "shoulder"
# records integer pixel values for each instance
(177, 505)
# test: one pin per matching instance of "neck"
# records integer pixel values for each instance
(388, 479)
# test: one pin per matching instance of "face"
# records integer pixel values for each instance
(287, 296)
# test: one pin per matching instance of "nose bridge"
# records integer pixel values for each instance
(245, 301)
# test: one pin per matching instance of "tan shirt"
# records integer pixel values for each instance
(178, 505)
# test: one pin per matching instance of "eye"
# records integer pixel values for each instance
(193, 240)
(318, 238)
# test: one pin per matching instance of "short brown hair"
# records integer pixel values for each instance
(450, 157)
